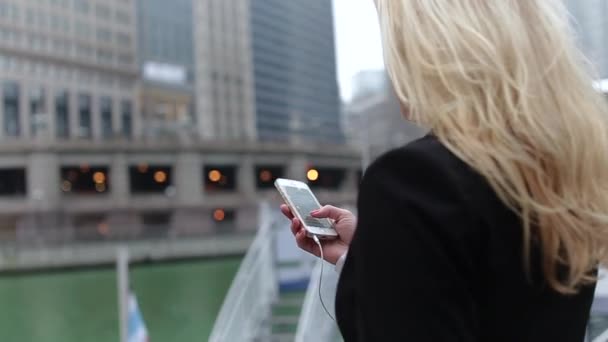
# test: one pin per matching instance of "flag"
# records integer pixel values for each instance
(136, 328)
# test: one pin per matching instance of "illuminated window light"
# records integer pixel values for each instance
(99, 177)
(312, 175)
(103, 229)
(215, 176)
(66, 186)
(219, 215)
(142, 168)
(160, 176)
(100, 187)
(265, 176)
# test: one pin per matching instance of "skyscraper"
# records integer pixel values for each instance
(294, 64)
(373, 120)
(67, 69)
(166, 51)
(224, 81)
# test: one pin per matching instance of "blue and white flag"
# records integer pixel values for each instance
(136, 328)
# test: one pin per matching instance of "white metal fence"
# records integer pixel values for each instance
(315, 324)
(249, 299)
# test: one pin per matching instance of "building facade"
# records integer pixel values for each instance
(223, 75)
(166, 61)
(68, 70)
(294, 64)
(373, 120)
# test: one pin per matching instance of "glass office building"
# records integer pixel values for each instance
(296, 91)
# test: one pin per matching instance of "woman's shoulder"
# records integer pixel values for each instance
(430, 170)
(427, 155)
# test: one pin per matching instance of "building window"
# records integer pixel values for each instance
(266, 175)
(224, 218)
(107, 128)
(104, 35)
(102, 11)
(126, 110)
(220, 178)
(326, 177)
(105, 56)
(11, 109)
(150, 179)
(85, 180)
(82, 6)
(123, 17)
(84, 116)
(123, 39)
(38, 112)
(62, 114)
(91, 226)
(156, 224)
(12, 182)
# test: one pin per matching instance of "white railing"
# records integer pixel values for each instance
(248, 302)
(315, 324)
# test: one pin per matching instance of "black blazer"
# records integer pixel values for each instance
(437, 257)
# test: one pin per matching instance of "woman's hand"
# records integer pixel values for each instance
(344, 222)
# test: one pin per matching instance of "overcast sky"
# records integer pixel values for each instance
(358, 45)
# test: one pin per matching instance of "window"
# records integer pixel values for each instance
(62, 114)
(104, 56)
(85, 180)
(82, 6)
(326, 177)
(37, 110)
(102, 11)
(156, 224)
(123, 17)
(91, 226)
(150, 179)
(84, 116)
(265, 175)
(12, 182)
(82, 29)
(220, 178)
(11, 109)
(123, 39)
(104, 35)
(106, 117)
(224, 218)
(126, 118)
(125, 59)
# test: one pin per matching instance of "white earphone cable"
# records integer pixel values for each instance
(318, 242)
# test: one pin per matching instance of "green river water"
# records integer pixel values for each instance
(179, 302)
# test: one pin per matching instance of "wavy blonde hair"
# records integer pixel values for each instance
(502, 85)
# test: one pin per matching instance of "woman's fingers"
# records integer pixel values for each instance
(286, 211)
(329, 211)
(296, 226)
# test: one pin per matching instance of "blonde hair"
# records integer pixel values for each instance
(502, 85)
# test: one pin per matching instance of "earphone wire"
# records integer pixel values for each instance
(318, 242)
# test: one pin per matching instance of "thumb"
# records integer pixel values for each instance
(329, 211)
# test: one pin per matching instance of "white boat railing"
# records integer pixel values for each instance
(314, 323)
(249, 300)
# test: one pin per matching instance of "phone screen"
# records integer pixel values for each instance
(304, 203)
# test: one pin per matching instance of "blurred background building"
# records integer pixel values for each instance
(294, 62)
(372, 119)
(166, 64)
(590, 18)
(161, 125)
(155, 118)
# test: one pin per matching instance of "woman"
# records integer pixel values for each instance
(492, 226)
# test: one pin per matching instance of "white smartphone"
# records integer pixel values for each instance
(300, 199)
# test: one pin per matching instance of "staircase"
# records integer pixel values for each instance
(285, 316)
